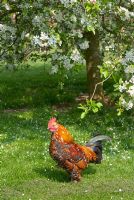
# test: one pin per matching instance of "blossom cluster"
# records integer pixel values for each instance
(67, 2)
(7, 38)
(66, 61)
(126, 13)
(84, 45)
(4, 28)
(129, 57)
(44, 40)
(58, 58)
(126, 86)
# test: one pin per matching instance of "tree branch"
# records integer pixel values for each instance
(5, 51)
(100, 84)
(8, 12)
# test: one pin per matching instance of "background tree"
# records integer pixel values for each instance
(97, 34)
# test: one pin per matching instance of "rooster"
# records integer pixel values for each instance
(69, 155)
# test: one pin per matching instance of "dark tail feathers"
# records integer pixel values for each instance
(95, 144)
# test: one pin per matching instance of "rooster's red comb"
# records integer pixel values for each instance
(51, 121)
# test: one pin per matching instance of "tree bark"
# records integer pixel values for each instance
(93, 59)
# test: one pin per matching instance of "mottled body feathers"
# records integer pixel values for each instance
(69, 155)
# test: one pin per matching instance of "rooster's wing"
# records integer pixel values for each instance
(72, 153)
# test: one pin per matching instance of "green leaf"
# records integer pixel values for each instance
(83, 115)
(91, 28)
(105, 74)
(120, 80)
(99, 104)
(88, 7)
(95, 110)
(120, 111)
(82, 107)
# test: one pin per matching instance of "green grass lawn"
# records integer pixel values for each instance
(27, 100)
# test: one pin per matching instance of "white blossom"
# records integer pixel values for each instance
(132, 79)
(77, 33)
(80, 35)
(129, 69)
(123, 86)
(68, 65)
(131, 91)
(73, 18)
(7, 6)
(84, 21)
(75, 55)
(44, 44)
(73, 1)
(44, 36)
(129, 105)
(60, 43)
(112, 46)
(55, 56)
(127, 13)
(108, 62)
(129, 57)
(84, 45)
(54, 69)
(52, 41)
(37, 20)
(67, 2)
(36, 40)
(27, 35)
(1, 27)
(93, 1)
(123, 102)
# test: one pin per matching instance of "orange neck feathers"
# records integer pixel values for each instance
(63, 134)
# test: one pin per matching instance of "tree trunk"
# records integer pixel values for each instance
(93, 59)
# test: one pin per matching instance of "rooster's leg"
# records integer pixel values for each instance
(73, 171)
(75, 174)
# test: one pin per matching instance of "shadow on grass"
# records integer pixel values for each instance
(35, 87)
(89, 170)
(58, 174)
(53, 174)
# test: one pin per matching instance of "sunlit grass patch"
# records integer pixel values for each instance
(27, 170)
